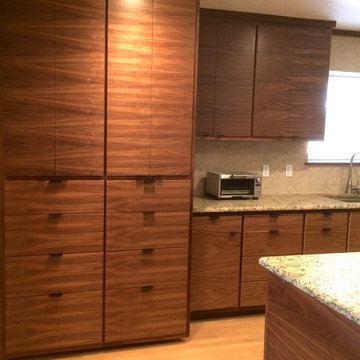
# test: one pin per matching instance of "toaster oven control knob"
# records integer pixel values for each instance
(258, 180)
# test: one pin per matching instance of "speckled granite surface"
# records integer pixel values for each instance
(204, 204)
(333, 279)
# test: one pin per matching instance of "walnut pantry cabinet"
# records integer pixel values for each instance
(261, 76)
(96, 172)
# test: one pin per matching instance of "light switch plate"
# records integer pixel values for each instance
(266, 171)
(289, 170)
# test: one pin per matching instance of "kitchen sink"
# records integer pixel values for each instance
(351, 198)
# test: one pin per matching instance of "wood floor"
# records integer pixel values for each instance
(240, 338)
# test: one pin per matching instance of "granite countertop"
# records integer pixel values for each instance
(333, 279)
(207, 204)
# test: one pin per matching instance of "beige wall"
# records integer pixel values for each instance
(225, 156)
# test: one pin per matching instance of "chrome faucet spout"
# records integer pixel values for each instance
(350, 187)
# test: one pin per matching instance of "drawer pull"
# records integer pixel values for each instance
(327, 213)
(55, 214)
(273, 231)
(149, 212)
(149, 180)
(56, 181)
(55, 295)
(214, 217)
(56, 255)
(274, 215)
(326, 229)
(148, 250)
(233, 233)
(147, 288)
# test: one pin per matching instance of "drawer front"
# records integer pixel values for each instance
(48, 274)
(253, 293)
(215, 226)
(264, 223)
(146, 267)
(326, 219)
(44, 197)
(354, 232)
(47, 234)
(148, 195)
(39, 323)
(140, 230)
(144, 314)
(318, 241)
(251, 270)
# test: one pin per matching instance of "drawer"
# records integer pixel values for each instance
(44, 197)
(47, 274)
(47, 234)
(41, 323)
(251, 270)
(354, 231)
(146, 267)
(145, 313)
(326, 219)
(253, 293)
(148, 195)
(264, 223)
(140, 230)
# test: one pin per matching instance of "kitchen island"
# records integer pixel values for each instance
(313, 307)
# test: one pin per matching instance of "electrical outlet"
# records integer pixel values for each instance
(289, 170)
(266, 171)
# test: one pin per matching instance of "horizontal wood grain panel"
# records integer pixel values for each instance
(266, 222)
(45, 197)
(140, 230)
(253, 293)
(46, 274)
(42, 323)
(332, 219)
(58, 233)
(146, 267)
(148, 195)
(354, 231)
(251, 270)
(137, 314)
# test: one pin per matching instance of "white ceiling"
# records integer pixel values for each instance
(346, 13)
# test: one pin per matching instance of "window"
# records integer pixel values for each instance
(342, 128)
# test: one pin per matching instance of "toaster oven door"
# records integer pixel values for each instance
(237, 187)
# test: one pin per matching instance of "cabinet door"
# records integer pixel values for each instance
(354, 232)
(215, 264)
(292, 65)
(234, 79)
(27, 101)
(129, 87)
(79, 86)
(173, 70)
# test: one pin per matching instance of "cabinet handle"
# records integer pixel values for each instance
(326, 229)
(56, 295)
(55, 181)
(233, 233)
(273, 231)
(149, 180)
(214, 217)
(55, 214)
(274, 215)
(327, 213)
(148, 212)
(147, 288)
(148, 250)
(56, 255)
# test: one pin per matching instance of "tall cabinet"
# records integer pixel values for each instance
(97, 118)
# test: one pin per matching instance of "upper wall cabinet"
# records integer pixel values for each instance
(261, 76)
(52, 72)
(151, 54)
(225, 78)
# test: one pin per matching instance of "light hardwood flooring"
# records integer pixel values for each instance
(240, 338)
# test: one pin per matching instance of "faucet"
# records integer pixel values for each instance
(350, 187)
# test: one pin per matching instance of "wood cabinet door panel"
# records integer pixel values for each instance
(27, 63)
(129, 87)
(206, 78)
(354, 231)
(266, 222)
(253, 293)
(251, 270)
(79, 86)
(48, 274)
(234, 79)
(333, 219)
(144, 195)
(45, 197)
(144, 314)
(51, 234)
(215, 264)
(173, 55)
(41, 323)
(147, 267)
(141, 230)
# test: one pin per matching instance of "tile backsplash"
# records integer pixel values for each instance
(232, 156)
